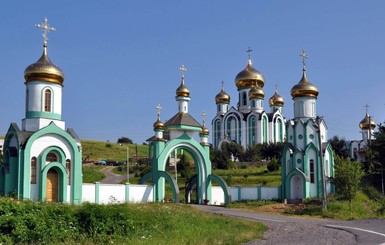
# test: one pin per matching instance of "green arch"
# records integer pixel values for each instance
(288, 187)
(169, 178)
(224, 186)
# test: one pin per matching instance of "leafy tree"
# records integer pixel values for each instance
(340, 146)
(232, 149)
(263, 151)
(273, 165)
(347, 178)
(375, 154)
(184, 167)
(221, 160)
(124, 140)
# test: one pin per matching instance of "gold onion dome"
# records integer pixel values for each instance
(44, 70)
(276, 100)
(204, 131)
(182, 90)
(367, 123)
(249, 77)
(304, 88)
(158, 124)
(256, 92)
(222, 97)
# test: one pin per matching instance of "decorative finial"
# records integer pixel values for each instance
(158, 108)
(276, 87)
(249, 50)
(204, 118)
(367, 106)
(46, 28)
(304, 56)
(223, 83)
(183, 69)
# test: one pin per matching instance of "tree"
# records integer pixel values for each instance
(124, 140)
(273, 165)
(340, 146)
(347, 178)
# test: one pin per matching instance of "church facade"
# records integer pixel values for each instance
(42, 160)
(307, 159)
(249, 123)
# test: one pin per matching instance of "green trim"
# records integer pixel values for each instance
(127, 192)
(288, 187)
(239, 193)
(42, 114)
(185, 127)
(145, 178)
(259, 192)
(174, 185)
(97, 191)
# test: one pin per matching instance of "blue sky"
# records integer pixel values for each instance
(122, 58)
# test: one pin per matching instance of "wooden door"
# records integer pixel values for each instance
(52, 186)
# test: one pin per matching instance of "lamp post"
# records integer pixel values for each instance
(324, 206)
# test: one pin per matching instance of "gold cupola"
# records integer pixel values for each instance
(182, 90)
(44, 70)
(158, 124)
(249, 77)
(256, 92)
(367, 123)
(304, 88)
(204, 131)
(222, 97)
(276, 100)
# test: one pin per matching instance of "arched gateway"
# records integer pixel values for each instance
(177, 133)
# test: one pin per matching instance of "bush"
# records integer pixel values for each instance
(273, 165)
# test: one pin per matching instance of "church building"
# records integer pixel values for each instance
(248, 124)
(42, 160)
(357, 147)
(307, 158)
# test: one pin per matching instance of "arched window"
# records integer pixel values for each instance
(47, 100)
(244, 98)
(51, 157)
(312, 171)
(68, 170)
(33, 170)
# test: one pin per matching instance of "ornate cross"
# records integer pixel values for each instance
(182, 70)
(223, 83)
(158, 108)
(46, 28)
(367, 106)
(249, 50)
(304, 56)
(204, 118)
(276, 87)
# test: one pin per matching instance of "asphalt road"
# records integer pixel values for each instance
(301, 231)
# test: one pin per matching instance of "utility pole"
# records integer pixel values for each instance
(324, 206)
(128, 166)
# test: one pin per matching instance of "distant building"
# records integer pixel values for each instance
(248, 124)
(42, 160)
(357, 148)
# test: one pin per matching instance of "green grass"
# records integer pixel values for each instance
(94, 151)
(26, 222)
(92, 174)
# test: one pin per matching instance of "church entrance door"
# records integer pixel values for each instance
(52, 185)
(296, 188)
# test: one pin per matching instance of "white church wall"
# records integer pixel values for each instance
(35, 102)
(88, 193)
(141, 193)
(39, 145)
(270, 193)
(111, 194)
(249, 193)
(217, 196)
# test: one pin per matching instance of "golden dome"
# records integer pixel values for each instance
(158, 124)
(222, 97)
(304, 88)
(256, 92)
(204, 131)
(249, 77)
(367, 122)
(182, 90)
(276, 100)
(44, 70)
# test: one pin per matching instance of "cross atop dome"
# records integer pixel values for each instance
(158, 108)
(249, 50)
(183, 69)
(304, 56)
(203, 118)
(46, 28)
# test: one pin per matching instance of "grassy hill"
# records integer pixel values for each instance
(94, 151)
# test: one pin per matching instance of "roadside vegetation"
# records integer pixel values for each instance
(27, 222)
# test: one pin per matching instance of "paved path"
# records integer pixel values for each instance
(301, 231)
(111, 178)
